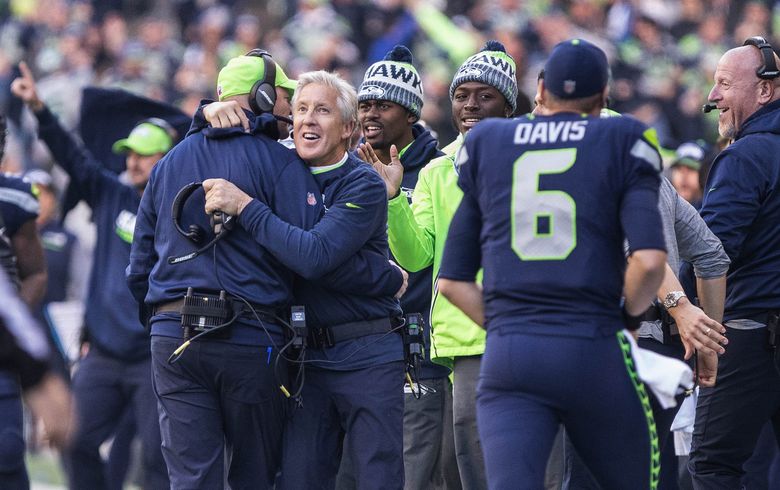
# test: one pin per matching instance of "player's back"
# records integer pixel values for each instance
(552, 241)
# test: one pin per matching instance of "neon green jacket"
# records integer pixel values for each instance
(417, 234)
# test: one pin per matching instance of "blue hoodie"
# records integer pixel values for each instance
(271, 174)
(355, 200)
(742, 207)
(110, 317)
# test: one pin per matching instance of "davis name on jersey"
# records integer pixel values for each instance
(548, 201)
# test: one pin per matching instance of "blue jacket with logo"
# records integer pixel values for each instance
(278, 180)
(355, 200)
(742, 207)
(110, 317)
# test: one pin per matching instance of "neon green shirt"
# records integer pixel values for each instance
(417, 234)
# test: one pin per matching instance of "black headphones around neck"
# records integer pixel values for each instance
(262, 96)
(768, 70)
(220, 223)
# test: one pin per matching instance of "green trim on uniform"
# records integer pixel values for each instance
(644, 399)
(401, 153)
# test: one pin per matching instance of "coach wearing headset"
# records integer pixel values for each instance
(115, 373)
(219, 395)
(742, 207)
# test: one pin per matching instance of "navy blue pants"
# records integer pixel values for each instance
(364, 405)
(218, 402)
(120, 457)
(530, 384)
(13, 475)
(576, 475)
(103, 388)
(730, 415)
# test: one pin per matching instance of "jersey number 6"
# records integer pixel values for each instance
(544, 223)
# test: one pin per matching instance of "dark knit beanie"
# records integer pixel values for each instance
(394, 79)
(491, 66)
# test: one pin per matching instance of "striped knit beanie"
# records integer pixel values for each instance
(491, 66)
(394, 79)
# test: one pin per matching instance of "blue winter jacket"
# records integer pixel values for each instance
(742, 207)
(272, 175)
(110, 317)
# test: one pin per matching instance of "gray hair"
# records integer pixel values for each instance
(347, 96)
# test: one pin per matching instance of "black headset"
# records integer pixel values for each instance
(220, 223)
(768, 70)
(262, 96)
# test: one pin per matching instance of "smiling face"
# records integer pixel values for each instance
(737, 91)
(474, 101)
(385, 123)
(320, 132)
(139, 167)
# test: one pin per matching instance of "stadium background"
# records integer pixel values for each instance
(662, 53)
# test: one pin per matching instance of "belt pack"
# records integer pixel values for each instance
(205, 312)
(319, 338)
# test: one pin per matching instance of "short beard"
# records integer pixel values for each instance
(729, 132)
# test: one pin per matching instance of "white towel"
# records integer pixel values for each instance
(682, 426)
(665, 376)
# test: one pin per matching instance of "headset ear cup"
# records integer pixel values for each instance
(262, 97)
(253, 98)
(266, 97)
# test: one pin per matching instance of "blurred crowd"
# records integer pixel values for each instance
(662, 52)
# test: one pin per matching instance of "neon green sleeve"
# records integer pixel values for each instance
(411, 229)
(458, 43)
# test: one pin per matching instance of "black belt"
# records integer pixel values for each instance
(762, 317)
(265, 314)
(330, 336)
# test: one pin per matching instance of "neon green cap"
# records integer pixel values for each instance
(145, 139)
(241, 73)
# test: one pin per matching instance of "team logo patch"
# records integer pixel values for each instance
(470, 71)
(310, 199)
(372, 90)
(125, 225)
(569, 86)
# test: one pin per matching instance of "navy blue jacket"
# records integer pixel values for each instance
(18, 205)
(355, 200)
(742, 207)
(268, 172)
(547, 204)
(110, 316)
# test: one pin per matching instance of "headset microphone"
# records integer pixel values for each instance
(283, 119)
(708, 107)
(220, 223)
